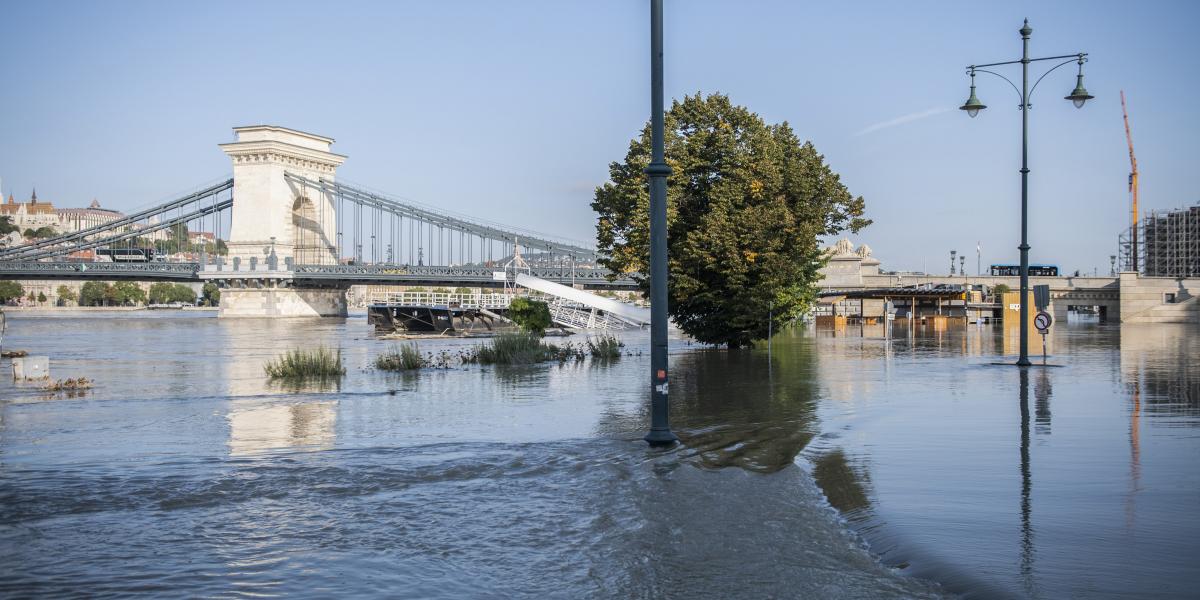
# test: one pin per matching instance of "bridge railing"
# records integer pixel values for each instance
(18, 269)
(437, 298)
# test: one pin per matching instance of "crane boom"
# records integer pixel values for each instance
(1133, 185)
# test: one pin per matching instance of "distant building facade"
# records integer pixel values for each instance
(78, 219)
(36, 214)
(846, 265)
(30, 215)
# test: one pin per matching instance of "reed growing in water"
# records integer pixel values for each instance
(523, 348)
(605, 347)
(400, 358)
(319, 363)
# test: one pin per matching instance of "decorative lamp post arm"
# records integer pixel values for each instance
(1079, 58)
(1014, 86)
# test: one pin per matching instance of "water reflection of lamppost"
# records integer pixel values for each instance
(1026, 487)
(1078, 96)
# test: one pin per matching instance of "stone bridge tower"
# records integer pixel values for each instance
(273, 216)
(271, 213)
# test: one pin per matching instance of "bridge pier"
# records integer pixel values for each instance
(271, 301)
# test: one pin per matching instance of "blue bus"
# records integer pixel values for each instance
(1034, 270)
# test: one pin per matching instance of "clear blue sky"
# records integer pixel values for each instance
(514, 109)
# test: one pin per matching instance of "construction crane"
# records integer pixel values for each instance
(1133, 188)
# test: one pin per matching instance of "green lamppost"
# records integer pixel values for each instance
(1078, 96)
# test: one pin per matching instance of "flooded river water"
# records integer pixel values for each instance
(836, 465)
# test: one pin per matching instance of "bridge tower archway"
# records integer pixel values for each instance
(310, 243)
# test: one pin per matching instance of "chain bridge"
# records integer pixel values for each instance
(295, 238)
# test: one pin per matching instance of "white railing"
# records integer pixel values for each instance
(426, 298)
(562, 311)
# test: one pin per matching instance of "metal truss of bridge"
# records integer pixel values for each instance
(284, 238)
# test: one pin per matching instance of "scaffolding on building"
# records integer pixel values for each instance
(1167, 244)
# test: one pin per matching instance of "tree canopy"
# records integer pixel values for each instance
(531, 315)
(164, 293)
(66, 294)
(41, 232)
(211, 293)
(122, 293)
(10, 290)
(747, 204)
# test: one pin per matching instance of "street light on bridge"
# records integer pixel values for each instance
(1079, 96)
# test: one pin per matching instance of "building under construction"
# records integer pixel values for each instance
(1166, 244)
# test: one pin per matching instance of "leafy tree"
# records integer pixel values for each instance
(127, 293)
(6, 226)
(160, 293)
(31, 297)
(41, 232)
(10, 290)
(65, 294)
(747, 204)
(211, 294)
(41, 297)
(95, 293)
(463, 290)
(163, 293)
(531, 315)
(182, 293)
(1000, 288)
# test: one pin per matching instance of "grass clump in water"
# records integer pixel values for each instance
(318, 363)
(605, 347)
(521, 349)
(400, 358)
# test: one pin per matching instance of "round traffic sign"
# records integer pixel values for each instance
(1043, 321)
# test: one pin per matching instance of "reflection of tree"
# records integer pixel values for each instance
(840, 482)
(741, 408)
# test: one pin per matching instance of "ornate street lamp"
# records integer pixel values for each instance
(1080, 94)
(972, 106)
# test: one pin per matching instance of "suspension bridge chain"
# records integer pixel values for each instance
(198, 205)
(440, 244)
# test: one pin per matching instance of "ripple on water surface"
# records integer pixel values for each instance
(185, 473)
(602, 518)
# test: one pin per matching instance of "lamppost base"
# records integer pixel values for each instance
(1024, 362)
(661, 437)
